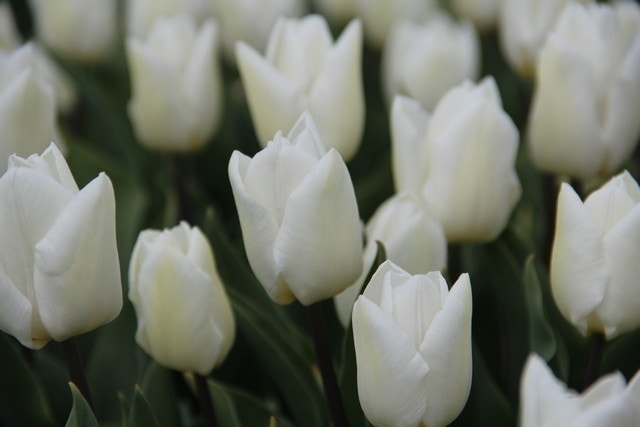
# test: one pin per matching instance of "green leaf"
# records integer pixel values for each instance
(141, 414)
(22, 399)
(159, 389)
(81, 413)
(541, 335)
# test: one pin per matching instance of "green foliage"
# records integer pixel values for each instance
(81, 414)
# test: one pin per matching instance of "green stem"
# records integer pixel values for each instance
(206, 403)
(76, 369)
(332, 394)
(180, 177)
(596, 351)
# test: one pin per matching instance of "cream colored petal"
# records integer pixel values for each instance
(16, 314)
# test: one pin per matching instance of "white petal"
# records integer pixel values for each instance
(374, 290)
(318, 250)
(77, 272)
(578, 273)
(391, 373)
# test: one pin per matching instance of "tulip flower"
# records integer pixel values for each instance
(411, 238)
(27, 105)
(424, 61)
(176, 84)
(78, 29)
(185, 321)
(524, 27)
(412, 338)
(379, 16)
(483, 13)
(142, 14)
(252, 21)
(594, 265)
(304, 70)
(461, 159)
(583, 119)
(545, 401)
(59, 268)
(299, 216)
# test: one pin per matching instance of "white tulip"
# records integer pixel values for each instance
(78, 29)
(583, 119)
(424, 61)
(299, 216)
(483, 13)
(411, 238)
(461, 159)
(412, 338)
(59, 269)
(176, 84)
(593, 262)
(185, 321)
(545, 401)
(142, 14)
(304, 70)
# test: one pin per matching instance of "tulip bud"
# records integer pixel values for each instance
(461, 159)
(299, 216)
(59, 269)
(412, 240)
(594, 265)
(425, 61)
(176, 84)
(545, 401)
(524, 27)
(27, 105)
(583, 119)
(412, 338)
(185, 321)
(252, 21)
(305, 70)
(78, 29)
(483, 13)
(142, 14)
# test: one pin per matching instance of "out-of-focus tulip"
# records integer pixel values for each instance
(9, 37)
(424, 61)
(299, 216)
(78, 29)
(412, 337)
(524, 27)
(412, 240)
(142, 14)
(185, 321)
(545, 401)
(379, 16)
(461, 159)
(27, 106)
(176, 84)
(59, 269)
(252, 21)
(304, 70)
(584, 120)
(337, 11)
(483, 13)
(594, 266)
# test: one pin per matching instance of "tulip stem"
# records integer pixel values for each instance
(76, 369)
(332, 394)
(206, 403)
(596, 351)
(180, 181)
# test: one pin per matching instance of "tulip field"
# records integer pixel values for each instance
(245, 213)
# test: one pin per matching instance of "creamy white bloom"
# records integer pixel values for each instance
(27, 106)
(305, 70)
(461, 159)
(483, 13)
(252, 21)
(411, 238)
(594, 259)
(424, 61)
(142, 14)
(337, 11)
(59, 269)
(523, 28)
(185, 321)
(546, 401)
(412, 337)
(378, 16)
(584, 120)
(299, 216)
(78, 29)
(176, 84)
